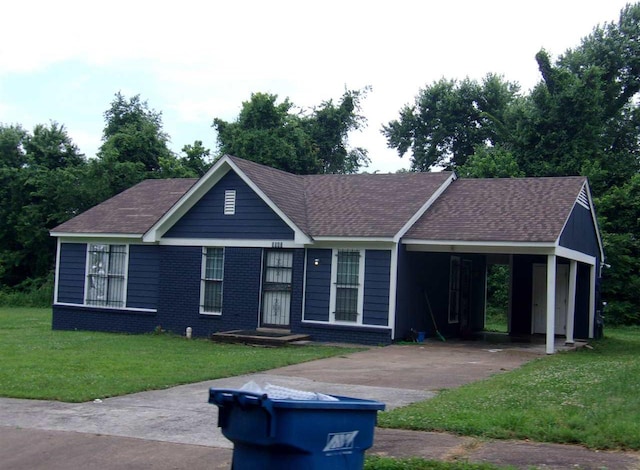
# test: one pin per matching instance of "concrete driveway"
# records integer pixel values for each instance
(176, 428)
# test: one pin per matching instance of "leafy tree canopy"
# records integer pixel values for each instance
(449, 119)
(276, 135)
(133, 133)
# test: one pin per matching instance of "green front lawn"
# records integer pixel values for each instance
(589, 397)
(76, 366)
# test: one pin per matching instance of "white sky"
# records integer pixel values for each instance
(198, 60)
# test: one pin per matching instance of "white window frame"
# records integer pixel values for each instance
(87, 301)
(203, 281)
(333, 294)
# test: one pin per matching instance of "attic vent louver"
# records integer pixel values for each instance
(230, 202)
(583, 200)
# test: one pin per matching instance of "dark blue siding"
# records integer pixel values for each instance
(580, 232)
(583, 309)
(241, 291)
(376, 300)
(403, 321)
(318, 287)
(253, 218)
(522, 293)
(377, 267)
(346, 334)
(144, 270)
(73, 260)
(96, 319)
(297, 288)
(179, 289)
(179, 298)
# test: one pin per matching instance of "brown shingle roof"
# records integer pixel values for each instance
(378, 205)
(367, 205)
(361, 205)
(509, 209)
(133, 211)
(286, 190)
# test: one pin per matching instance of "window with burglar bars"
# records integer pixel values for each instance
(106, 275)
(212, 275)
(347, 285)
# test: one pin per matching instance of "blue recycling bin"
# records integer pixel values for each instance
(295, 434)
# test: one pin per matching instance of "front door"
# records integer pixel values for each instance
(276, 288)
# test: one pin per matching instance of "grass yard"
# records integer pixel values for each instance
(386, 463)
(76, 366)
(589, 397)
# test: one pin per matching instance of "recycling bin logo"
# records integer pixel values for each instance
(340, 442)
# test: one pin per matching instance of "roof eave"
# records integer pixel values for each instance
(480, 246)
(95, 235)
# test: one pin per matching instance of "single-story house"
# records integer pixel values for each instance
(366, 258)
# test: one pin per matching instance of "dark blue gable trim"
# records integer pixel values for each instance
(253, 218)
(580, 232)
(73, 260)
(144, 271)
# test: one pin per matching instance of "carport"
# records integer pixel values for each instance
(545, 229)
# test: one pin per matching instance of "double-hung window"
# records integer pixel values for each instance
(106, 275)
(212, 277)
(348, 276)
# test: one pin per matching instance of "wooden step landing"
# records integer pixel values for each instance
(261, 336)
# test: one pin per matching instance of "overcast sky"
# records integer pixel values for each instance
(197, 60)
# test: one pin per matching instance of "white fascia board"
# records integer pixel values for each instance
(188, 200)
(299, 235)
(595, 221)
(575, 255)
(456, 246)
(224, 242)
(424, 207)
(99, 238)
(56, 272)
(352, 242)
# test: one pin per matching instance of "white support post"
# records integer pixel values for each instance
(571, 301)
(551, 304)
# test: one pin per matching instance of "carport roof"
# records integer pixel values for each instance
(500, 210)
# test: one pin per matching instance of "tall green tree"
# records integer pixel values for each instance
(450, 118)
(491, 162)
(278, 135)
(197, 158)
(40, 174)
(269, 133)
(134, 145)
(133, 133)
(329, 126)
